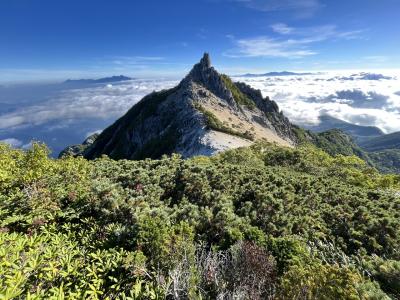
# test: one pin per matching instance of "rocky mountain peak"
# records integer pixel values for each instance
(204, 74)
(206, 113)
(206, 61)
(202, 70)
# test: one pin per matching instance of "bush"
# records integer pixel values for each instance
(247, 223)
(387, 273)
(317, 281)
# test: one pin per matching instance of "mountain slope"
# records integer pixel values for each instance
(336, 141)
(384, 151)
(379, 150)
(359, 133)
(387, 141)
(75, 150)
(386, 161)
(206, 113)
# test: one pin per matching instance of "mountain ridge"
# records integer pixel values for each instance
(204, 114)
(276, 74)
(358, 132)
(207, 113)
(100, 80)
(384, 142)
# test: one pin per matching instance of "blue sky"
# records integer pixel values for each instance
(58, 39)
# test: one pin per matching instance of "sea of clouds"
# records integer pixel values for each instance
(60, 115)
(369, 99)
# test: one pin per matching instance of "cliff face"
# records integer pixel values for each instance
(206, 113)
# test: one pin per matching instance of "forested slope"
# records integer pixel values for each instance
(337, 142)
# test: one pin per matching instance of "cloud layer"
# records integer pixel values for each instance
(105, 101)
(364, 102)
(61, 116)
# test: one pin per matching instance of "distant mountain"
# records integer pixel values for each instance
(376, 152)
(379, 150)
(387, 141)
(274, 74)
(363, 76)
(359, 133)
(101, 80)
(372, 76)
(385, 152)
(336, 141)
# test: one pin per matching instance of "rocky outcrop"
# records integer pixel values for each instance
(270, 108)
(78, 150)
(264, 104)
(203, 73)
(206, 113)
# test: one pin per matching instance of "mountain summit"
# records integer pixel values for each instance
(205, 113)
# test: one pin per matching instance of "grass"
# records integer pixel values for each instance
(239, 97)
(214, 123)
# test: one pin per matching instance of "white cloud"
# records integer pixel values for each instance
(269, 47)
(101, 102)
(318, 33)
(294, 43)
(364, 102)
(282, 28)
(351, 35)
(300, 8)
(15, 143)
(27, 146)
(93, 132)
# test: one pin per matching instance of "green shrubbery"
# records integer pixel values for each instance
(387, 161)
(239, 97)
(253, 223)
